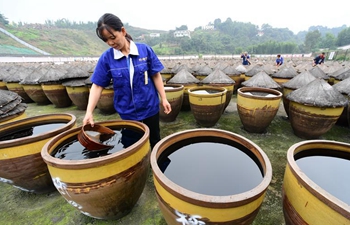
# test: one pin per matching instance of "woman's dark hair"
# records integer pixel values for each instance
(108, 22)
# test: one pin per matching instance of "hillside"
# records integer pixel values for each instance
(228, 37)
(56, 41)
(8, 46)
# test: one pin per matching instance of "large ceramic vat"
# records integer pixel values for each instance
(343, 88)
(207, 104)
(314, 108)
(3, 85)
(203, 72)
(219, 79)
(229, 93)
(174, 93)
(310, 122)
(104, 187)
(343, 119)
(186, 106)
(284, 74)
(21, 164)
(79, 96)
(262, 80)
(257, 107)
(106, 103)
(57, 94)
(285, 101)
(185, 78)
(78, 92)
(17, 87)
(36, 93)
(293, 84)
(235, 75)
(180, 204)
(167, 74)
(307, 188)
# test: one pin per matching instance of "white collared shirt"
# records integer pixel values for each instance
(133, 51)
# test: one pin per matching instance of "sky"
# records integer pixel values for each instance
(296, 15)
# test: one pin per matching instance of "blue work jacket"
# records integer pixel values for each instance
(139, 100)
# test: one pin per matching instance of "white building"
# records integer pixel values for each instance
(153, 35)
(182, 33)
(208, 27)
(140, 38)
(345, 47)
(260, 33)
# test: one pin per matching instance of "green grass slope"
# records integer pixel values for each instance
(56, 41)
(8, 46)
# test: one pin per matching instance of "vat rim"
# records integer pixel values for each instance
(241, 92)
(31, 120)
(88, 163)
(327, 198)
(227, 201)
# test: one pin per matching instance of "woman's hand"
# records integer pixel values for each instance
(88, 119)
(166, 105)
(158, 82)
(94, 96)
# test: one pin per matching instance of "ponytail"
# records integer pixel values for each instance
(128, 37)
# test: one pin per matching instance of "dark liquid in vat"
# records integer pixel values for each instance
(73, 150)
(328, 169)
(30, 131)
(211, 168)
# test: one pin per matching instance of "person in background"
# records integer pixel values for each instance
(319, 59)
(245, 58)
(134, 70)
(279, 60)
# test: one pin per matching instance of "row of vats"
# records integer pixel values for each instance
(68, 83)
(315, 101)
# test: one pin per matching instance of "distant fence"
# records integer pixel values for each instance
(337, 55)
(53, 59)
(62, 59)
(233, 56)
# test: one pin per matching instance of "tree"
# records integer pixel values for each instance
(266, 26)
(49, 23)
(217, 23)
(3, 19)
(328, 41)
(343, 37)
(312, 40)
(183, 27)
(324, 30)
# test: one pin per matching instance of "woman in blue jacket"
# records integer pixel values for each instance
(134, 70)
(245, 59)
(279, 60)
